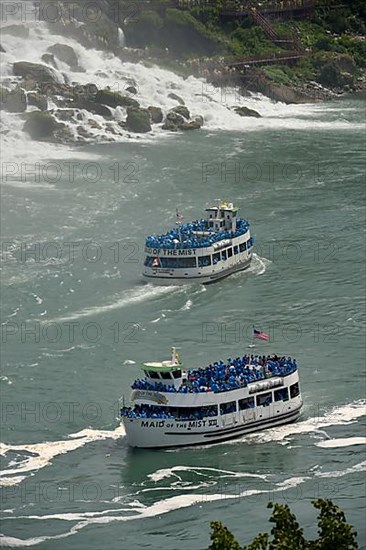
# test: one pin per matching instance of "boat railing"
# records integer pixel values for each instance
(228, 378)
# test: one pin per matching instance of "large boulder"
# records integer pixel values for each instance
(13, 101)
(176, 97)
(41, 126)
(192, 125)
(182, 111)
(156, 114)
(138, 120)
(245, 111)
(35, 71)
(114, 99)
(173, 122)
(92, 107)
(66, 54)
(131, 90)
(37, 100)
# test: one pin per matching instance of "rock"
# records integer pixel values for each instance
(192, 125)
(2, 49)
(244, 111)
(66, 54)
(173, 122)
(110, 128)
(65, 114)
(131, 90)
(156, 114)
(182, 111)
(40, 126)
(92, 107)
(176, 97)
(37, 100)
(114, 99)
(13, 101)
(20, 31)
(83, 132)
(49, 59)
(37, 72)
(138, 120)
(94, 124)
(200, 120)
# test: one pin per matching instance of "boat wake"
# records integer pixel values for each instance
(127, 298)
(132, 510)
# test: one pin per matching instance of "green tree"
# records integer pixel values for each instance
(334, 532)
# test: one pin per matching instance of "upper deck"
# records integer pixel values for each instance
(220, 376)
(221, 224)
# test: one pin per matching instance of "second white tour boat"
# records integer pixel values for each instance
(202, 251)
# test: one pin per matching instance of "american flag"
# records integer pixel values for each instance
(260, 335)
(179, 216)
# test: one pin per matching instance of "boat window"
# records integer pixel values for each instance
(222, 223)
(281, 395)
(153, 374)
(294, 390)
(223, 255)
(211, 224)
(204, 261)
(166, 375)
(177, 262)
(247, 403)
(236, 250)
(242, 247)
(230, 252)
(226, 408)
(216, 258)
(264, 399)
(222, 214)
(177, 373)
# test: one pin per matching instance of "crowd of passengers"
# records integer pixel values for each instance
(185, 238)
(221, 376)
(151, 411)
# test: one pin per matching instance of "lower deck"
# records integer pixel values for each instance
(173, 432)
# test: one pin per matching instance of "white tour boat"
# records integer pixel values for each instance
(174, 407)
(201, 251)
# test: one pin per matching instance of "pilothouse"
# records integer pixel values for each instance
(201, 251)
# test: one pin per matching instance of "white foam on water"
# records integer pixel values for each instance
(44, 453)
(361, 467)
(343, 442)
(161, 507)
(168, 472)
(187, 306)
(128, 297)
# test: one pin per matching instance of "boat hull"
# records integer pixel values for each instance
(205, 279)
(160, 433)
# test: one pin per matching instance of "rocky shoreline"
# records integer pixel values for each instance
(60, 111)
